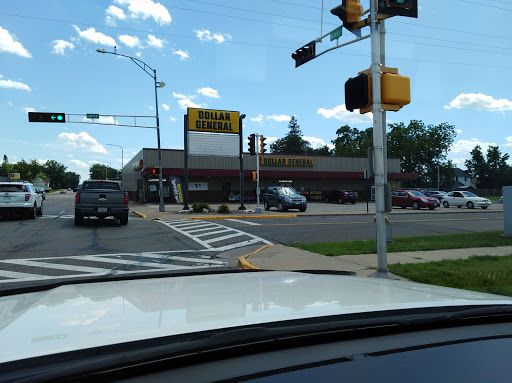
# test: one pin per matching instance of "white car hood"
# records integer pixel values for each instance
(80, 316)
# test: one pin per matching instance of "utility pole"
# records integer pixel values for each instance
(258, 148)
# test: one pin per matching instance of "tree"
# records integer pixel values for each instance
(5, 168)
(477, 166)
(490, 172)
(322, 151)
(99, 171)
(5, 160)
(292, 143)
(352, 141)
(72, 179)
(55, 171)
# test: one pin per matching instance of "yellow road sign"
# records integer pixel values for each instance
(213, 121)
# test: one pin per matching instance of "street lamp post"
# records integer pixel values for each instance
(122, 155)
(152, 73)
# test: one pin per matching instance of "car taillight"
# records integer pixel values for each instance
(27, 196)
(126, 199)
(356, 194)
(344, 194)
(77, 198)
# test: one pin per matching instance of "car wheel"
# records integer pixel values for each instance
(32, 212)
(302, 209)
(280, 206)
(485, 207)
(459, 206)
(403, 207)
(326, 200)
(415, 205)
(124, 219)
(79, 219)
(470, 205)
(431, 208)
(265, 205)
(353, 202)
(40, 210)
(446, 204)
(340, 201)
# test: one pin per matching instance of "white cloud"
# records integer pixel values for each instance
(81, 140)
(466, 146)
(145, 9)
(79, 164)
(13, 84)
(258, 119)
(172, 119)
(480, 101)
(151, 107)
(116, 12)
(459, 131)
(138, 54)
(185, 103)
(165, 106)
(9, 44)
(155, 42)
(341, 113)
(130, 41)
(69, 155)
(9, 102)
(509, 141)
(95, 37)
(206, 35)
(60, 46)
(317, 142)
(102, 120)
(183, 54)
(279, 118)
(180, 95)
(208, 92)
(270, 140)
(28, 109)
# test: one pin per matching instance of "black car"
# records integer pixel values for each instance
(341, 196)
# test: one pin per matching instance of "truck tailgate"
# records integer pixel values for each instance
(97, 198)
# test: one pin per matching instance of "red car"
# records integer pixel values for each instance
(414, 199)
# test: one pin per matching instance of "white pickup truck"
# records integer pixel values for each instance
(101, 198)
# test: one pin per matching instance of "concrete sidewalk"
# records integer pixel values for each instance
(280, 257)
(315, 209)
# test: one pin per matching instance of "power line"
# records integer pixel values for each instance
(487, 5)
(451, 47)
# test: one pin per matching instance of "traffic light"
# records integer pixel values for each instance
(304, 54)
(252, 144)
(254, 176)
(155, 171)
(46, 117)
(349, 11)
(408, 8)
(356, 92)
(262, 145)
(395, 91)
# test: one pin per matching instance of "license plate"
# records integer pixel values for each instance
(102, 209)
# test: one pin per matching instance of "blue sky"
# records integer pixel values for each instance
(231, 55)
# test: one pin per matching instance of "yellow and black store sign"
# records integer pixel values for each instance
(213, 121)
(287, 161)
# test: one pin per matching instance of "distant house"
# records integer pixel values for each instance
(41, 183)
(463, 180)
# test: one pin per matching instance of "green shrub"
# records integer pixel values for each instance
(199, 206)
(223, 209)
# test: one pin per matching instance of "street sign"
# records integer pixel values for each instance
(46, 117)
(213, 121)
(96, 116)
(14, 176)
(336, 33)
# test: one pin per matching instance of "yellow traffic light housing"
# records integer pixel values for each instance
(349, 11)
(254, 176)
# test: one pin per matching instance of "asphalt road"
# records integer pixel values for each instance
(52, 249)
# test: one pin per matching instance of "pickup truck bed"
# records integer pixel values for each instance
(99, 198)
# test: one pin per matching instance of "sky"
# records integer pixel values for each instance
(228, 55)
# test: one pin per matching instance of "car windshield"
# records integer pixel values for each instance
(150, 139)
(286, 191)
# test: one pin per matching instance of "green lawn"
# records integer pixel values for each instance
(493, 197)
(487, 274)
(434, 242)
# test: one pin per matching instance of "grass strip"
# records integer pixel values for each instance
(422, 243)
(484, 273)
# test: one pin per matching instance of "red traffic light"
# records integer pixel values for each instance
(155, 171)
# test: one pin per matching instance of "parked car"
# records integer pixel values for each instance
(63, 191)
(465, 198)
(340, 196)
(20, 197)
(284, 198)
(41, 191)
(413, 198)
(69, 189)
(101, 198)
(437, 194)
(422, 191)
(500, 200)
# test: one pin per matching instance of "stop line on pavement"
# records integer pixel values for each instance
(213, 236)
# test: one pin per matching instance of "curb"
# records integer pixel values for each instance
(246, 217)
(140, 214)
(242, 262)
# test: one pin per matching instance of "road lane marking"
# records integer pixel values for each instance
(244, 222)
(58, 266)
(224, 237)
(212, 233)
(62, 211)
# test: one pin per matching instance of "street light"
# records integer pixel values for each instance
(122, 155)
(152, 73)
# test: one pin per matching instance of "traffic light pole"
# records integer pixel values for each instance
(384, 118)
(242, 206)
(379, 145)
(257, 147)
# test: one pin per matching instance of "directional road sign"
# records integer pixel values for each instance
(96, 116)
(336, 33)
(46, 117)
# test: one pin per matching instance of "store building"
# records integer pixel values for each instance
(216, 179)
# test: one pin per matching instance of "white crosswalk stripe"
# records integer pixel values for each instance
(215, 234)
(39, 269)
(243, 222)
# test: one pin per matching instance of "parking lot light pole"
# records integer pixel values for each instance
(152, 73)
(122, 155)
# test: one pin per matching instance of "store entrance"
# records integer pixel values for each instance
(226, 191)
